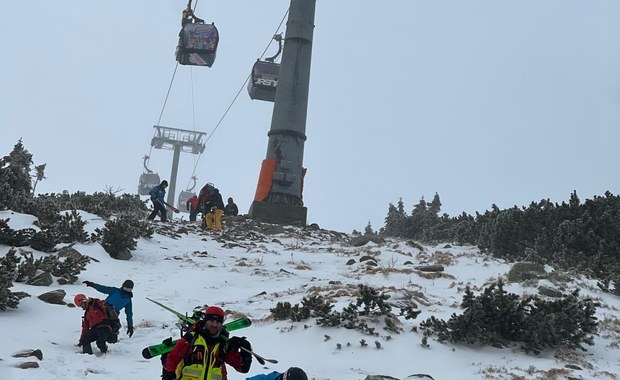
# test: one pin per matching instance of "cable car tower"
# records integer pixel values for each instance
(278, 197)
(177, 140)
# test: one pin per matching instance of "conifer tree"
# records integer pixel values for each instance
(15, 176)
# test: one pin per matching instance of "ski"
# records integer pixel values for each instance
(171, 207)
(167, 345)
(182, 317)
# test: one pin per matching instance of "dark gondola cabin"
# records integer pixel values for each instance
(147, 182)
(197, 44)
(264, 81)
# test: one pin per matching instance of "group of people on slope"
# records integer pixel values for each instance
(208, 202)
(202, 353)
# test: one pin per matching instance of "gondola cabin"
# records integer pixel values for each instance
(184, 196)
(264, 81)
(197, 44)
(147, 182)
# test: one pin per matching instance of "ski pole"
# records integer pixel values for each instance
(260, 359)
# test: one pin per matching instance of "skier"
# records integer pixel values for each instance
(215, 210)
(231, 208)
(204, 350)
(293, 373)
(96, 325)
(157, 194)
(119, 299)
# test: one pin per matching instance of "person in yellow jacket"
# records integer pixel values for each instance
(203, 351)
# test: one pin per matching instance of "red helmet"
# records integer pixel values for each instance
(79, 299)
(214, 312)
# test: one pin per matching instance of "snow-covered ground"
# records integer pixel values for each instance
(251, 275)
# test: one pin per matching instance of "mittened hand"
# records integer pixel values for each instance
(130, 331)
(88, 283)
(236, 342)
(169, 376)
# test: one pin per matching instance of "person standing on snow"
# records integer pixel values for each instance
(157, 194)
(119, 299)
(203, 351)
(293, 373)
(192, 207)
(96, 325)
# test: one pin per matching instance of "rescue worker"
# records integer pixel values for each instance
(204, 351)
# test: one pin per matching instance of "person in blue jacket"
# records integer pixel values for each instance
(293, 373)
(119, 299)
(158, 193)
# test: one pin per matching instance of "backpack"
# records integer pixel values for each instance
(115, 323)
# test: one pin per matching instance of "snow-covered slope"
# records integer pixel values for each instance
(252, 267)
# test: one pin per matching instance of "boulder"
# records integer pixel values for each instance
(26, 365)
(55, 297)
(42, 279)
(29, 352)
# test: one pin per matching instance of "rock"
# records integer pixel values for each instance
(69, 252)
(42, 279)
(26, 365)
(29, 352)
(549, 291)
(525, 271)
(312, 227)
(351, 262)
(380, 377)
(365, 258)
(430, 268)
(359, 241)
(55, 297)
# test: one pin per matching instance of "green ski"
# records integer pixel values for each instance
(167, 345)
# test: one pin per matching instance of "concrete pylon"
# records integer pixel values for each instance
(279, 197)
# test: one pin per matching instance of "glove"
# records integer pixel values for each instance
(169, 375)
(167, 341)
(236, 342)
(88, 283)
(130, 331)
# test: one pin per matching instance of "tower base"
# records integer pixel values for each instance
(268, 212)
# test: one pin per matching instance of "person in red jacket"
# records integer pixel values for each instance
(204, 351)
(96, 325)
(192, 207)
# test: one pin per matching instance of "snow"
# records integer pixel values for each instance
(194, 268)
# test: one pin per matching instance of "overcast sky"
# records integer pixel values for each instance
(480, 101)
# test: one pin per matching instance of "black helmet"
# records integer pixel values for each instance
(295, 373)
(164, 183)
(127, 285)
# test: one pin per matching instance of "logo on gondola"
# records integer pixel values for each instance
(270, 82)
